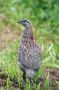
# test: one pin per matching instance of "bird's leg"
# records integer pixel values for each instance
(24, 81)
(24, 76)
(31, 84)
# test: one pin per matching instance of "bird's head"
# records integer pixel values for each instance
(25, 23)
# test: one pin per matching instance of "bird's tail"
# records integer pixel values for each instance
(30, 73)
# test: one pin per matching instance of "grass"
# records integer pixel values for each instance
(9, 60)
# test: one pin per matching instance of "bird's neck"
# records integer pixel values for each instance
(28, 33)
(28, 36)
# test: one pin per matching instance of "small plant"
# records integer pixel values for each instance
(8, 86)
(38, 87)
(47, 83)
(28, 86)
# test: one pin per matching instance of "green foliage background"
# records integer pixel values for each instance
(44, 15)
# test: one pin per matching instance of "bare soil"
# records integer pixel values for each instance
(8, 35)
(53, 77)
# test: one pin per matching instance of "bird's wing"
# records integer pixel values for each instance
(23, 55)
(30, 57)
(35, 59)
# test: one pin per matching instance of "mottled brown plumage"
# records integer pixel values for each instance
(29, 53)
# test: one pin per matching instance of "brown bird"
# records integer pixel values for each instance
(29, 53)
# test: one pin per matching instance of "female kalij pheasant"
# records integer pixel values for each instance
(29, 53)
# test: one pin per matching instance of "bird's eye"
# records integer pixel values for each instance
(24, 21)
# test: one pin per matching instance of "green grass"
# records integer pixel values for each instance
(9, 62)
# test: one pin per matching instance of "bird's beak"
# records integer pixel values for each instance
(19, 22)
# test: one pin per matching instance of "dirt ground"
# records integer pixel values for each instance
(53, 77)
(8, 35)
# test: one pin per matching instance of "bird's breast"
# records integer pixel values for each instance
(30, 55)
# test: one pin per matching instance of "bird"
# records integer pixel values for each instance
(29, 53)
